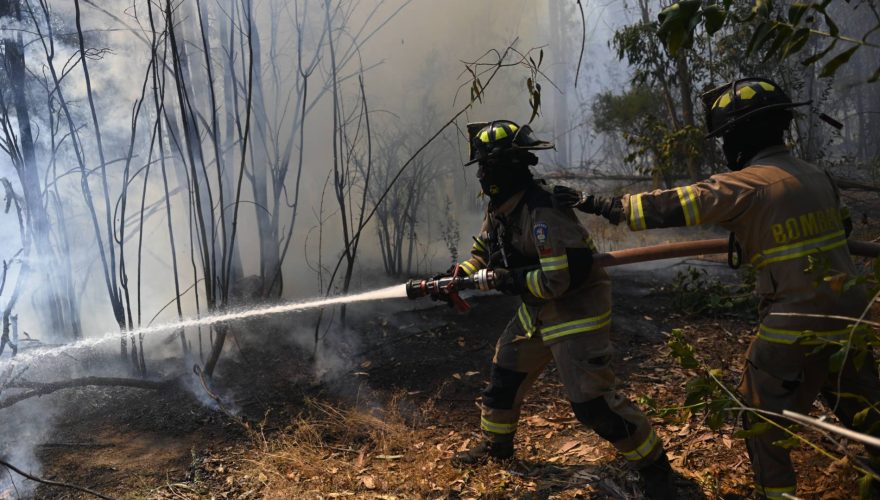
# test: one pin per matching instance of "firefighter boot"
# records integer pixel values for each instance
(482, 453)
(659, 479)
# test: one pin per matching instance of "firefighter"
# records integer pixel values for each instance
(544, 255)
(785, 216)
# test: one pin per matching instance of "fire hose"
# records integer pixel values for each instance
(485, 280)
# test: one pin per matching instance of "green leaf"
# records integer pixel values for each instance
(796, 12)
(782, 34)
(682, 350)
(715, 17)
(831, 67)
(865, 492)
(788, 443)
(762, 8)
(757, 429)
(759, 37)
(859, 418)
(835, 361)
(833, 30)
(851, 395)
(819, 55)
(859, 360)
(796, 42)
(677, 24)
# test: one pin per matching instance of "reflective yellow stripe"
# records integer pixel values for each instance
(813, 337)
(688, 199)
(554, 263)
(525, 319)
(496, 428)
(576, 326)
(766, 86)
(533, 282)
(636, 213)
(468, 268)
(779, 492)
(797, 250)
(478, 245)
(643, 450)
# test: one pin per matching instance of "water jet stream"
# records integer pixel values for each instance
(392, 292)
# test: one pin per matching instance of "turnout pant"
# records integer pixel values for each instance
(583, 364)
(789, 377)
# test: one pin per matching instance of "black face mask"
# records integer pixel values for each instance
(743, 142)
(503, 178)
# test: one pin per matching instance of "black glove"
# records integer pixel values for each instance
(566, 197)
(510, 281)
(610, 208)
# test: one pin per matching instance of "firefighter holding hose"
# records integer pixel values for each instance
(785, 216)
(544, 255)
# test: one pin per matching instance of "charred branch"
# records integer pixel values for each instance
(48, 482)
(37, 389)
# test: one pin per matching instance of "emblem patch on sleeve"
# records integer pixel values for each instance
(541, 231)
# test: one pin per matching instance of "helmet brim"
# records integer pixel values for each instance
(719, 131)
(535, 146)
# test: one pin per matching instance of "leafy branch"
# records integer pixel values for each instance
(708, 393)
(778, 34)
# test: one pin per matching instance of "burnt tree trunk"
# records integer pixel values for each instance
(62, 315)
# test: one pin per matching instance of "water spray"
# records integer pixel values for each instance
(392, 292)
(445, 288)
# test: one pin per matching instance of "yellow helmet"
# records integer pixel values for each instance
(741, 100)
(491, 139)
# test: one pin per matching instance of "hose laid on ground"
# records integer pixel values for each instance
(698, 247)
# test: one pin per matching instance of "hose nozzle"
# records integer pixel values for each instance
(482, 280)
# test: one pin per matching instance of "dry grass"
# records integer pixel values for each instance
(330, 452)
(396, 452)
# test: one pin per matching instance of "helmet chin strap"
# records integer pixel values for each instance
(736, 157)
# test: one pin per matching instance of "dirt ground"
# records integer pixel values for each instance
(386, 426)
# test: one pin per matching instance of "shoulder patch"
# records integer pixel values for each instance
(541, 231)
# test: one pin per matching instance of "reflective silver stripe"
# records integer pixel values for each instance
(497, 428)
(810, 337)
(796, 250)
(636, 213)
(688, 199)
(556, 263)
(576, 326)
(779, 492)
(525, 319)
(468, 268)
(643, 450)
(533, 282)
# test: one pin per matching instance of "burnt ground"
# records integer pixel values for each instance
(386, 426)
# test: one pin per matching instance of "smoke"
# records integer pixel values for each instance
(411, 58)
